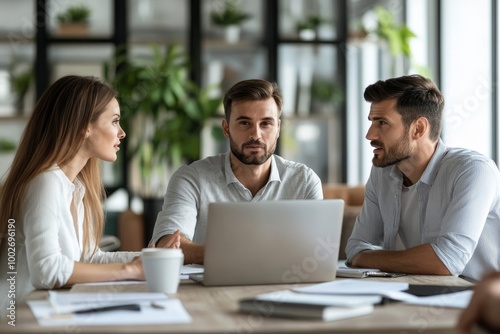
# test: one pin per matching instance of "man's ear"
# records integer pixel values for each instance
(421, 127)
(225, 127)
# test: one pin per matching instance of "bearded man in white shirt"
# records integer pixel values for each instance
(444, 203)
(249, 171)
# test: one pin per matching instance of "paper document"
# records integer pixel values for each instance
(354, 287)
(191, 269)
(68, 302)
(113, 283)
(455, 300)
(444, 297)
(167, 311)
(287, 296)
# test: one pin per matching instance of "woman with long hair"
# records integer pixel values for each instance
(51, 214)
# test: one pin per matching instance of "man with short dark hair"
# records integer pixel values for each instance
(444, 203)
(250, 171)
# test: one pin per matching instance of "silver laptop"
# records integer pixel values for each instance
(272, 242)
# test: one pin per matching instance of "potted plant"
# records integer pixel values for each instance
(163, 113)
(230, 18)
(308, 28)
(20, 81)
(325, 95)
(396, 37)
(74, 21)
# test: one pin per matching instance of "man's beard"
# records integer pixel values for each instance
(252, 158)
(393, 154)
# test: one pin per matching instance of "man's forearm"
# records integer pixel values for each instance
(419, 260)
(193, 253)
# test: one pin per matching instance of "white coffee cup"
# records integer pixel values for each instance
(162, 268)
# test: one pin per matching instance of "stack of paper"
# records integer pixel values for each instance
(349, 298)
(191, 269)
(287, 303)
(107, 308)
(354, 287)
(456, 297)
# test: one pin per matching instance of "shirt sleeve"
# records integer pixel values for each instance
(369, 226)
(179, 211)
(314, 186)
(472, 197)
(112, 257)
(48, 266)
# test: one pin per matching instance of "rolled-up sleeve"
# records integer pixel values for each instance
(466, 214)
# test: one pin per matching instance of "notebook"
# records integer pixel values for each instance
(321, 311)
(286, 303)
(272, 242)
(364, 273)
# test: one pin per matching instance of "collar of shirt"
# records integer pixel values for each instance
(430, 171)
(72, 189)
(231, 178)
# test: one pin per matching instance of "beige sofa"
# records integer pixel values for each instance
(353, 197)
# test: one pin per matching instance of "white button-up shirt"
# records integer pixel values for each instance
(209, 180)
(459, 201)
(47, 241)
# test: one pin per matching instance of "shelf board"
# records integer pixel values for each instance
(80, 40)
(312, 42)
(14, 118)
(15, 35)
(221, 44)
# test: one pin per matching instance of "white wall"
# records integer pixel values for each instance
(466, 74)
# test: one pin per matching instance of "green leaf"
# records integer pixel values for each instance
(7, 145)
(192, 110)
(168, 97)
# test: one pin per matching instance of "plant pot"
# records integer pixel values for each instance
(73, 29)
(307, 34)
(232, 34)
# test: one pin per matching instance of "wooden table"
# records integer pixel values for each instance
(214, 310)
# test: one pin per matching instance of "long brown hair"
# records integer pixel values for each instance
(54, 134)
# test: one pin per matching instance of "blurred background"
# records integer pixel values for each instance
(172, 60)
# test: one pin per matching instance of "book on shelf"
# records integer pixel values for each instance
(299, 305)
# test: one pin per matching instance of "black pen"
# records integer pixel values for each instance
(126, 307)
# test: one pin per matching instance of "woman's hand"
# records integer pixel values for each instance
(135, 269)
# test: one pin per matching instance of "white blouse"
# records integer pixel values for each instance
(47, 242)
